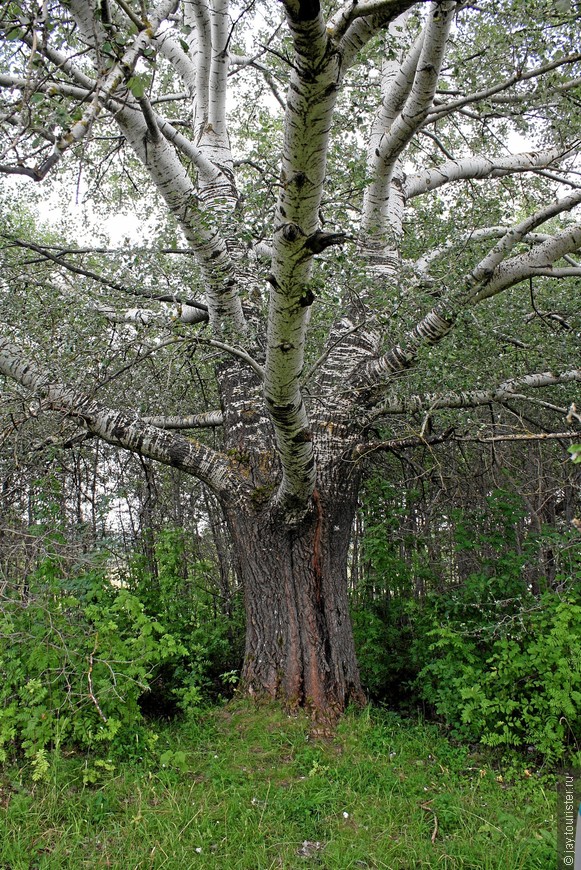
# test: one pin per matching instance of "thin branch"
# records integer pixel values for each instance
(443, 109)
(118, 74)
(363, 450)
(90, 680)
(94, 276)
(188, 149)
(234, 351)
(388, 10)
(130, 13)
(431, 402)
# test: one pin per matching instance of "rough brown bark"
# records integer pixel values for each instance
(299, 641)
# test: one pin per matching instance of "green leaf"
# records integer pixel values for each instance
(136, 85)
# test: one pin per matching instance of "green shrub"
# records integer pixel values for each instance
(76, 655)
(500, 664)
(384, 642)
(385, 612)
(519, 688)
(186, 600)
(85, 657)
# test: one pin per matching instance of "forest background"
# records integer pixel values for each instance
(345, 340)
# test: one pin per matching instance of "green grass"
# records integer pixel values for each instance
(246, 789)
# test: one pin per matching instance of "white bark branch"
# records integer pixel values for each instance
(475, 236)
(396, 83)
(409, 119)
(490, 277)
(119, 428)
(511, 389)
(143, 316)
(483, 272)
(170, 48)
(478, 167)
(197, 16)
(211, 23)
(523, 436)
(385, 10)
(553, 272)
(175, 186)
(212, 173)
(238, 352)
(106, 87)
(206, 420)
(363, 450)
(311, 98)
(51, 88)
(537, 261)
(219, 68)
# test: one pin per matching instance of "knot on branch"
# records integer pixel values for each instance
(318, 241)
(303, 437)
(301, 11)
(291, 232)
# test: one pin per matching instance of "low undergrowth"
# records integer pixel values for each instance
(246, 788)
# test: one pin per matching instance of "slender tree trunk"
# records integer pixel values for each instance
(299, 641)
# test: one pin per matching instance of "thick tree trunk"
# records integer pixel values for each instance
(299, 641)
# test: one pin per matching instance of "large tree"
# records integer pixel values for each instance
(349, 182)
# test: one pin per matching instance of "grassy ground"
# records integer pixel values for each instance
(246, 789)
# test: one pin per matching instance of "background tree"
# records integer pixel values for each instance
(315, 292)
